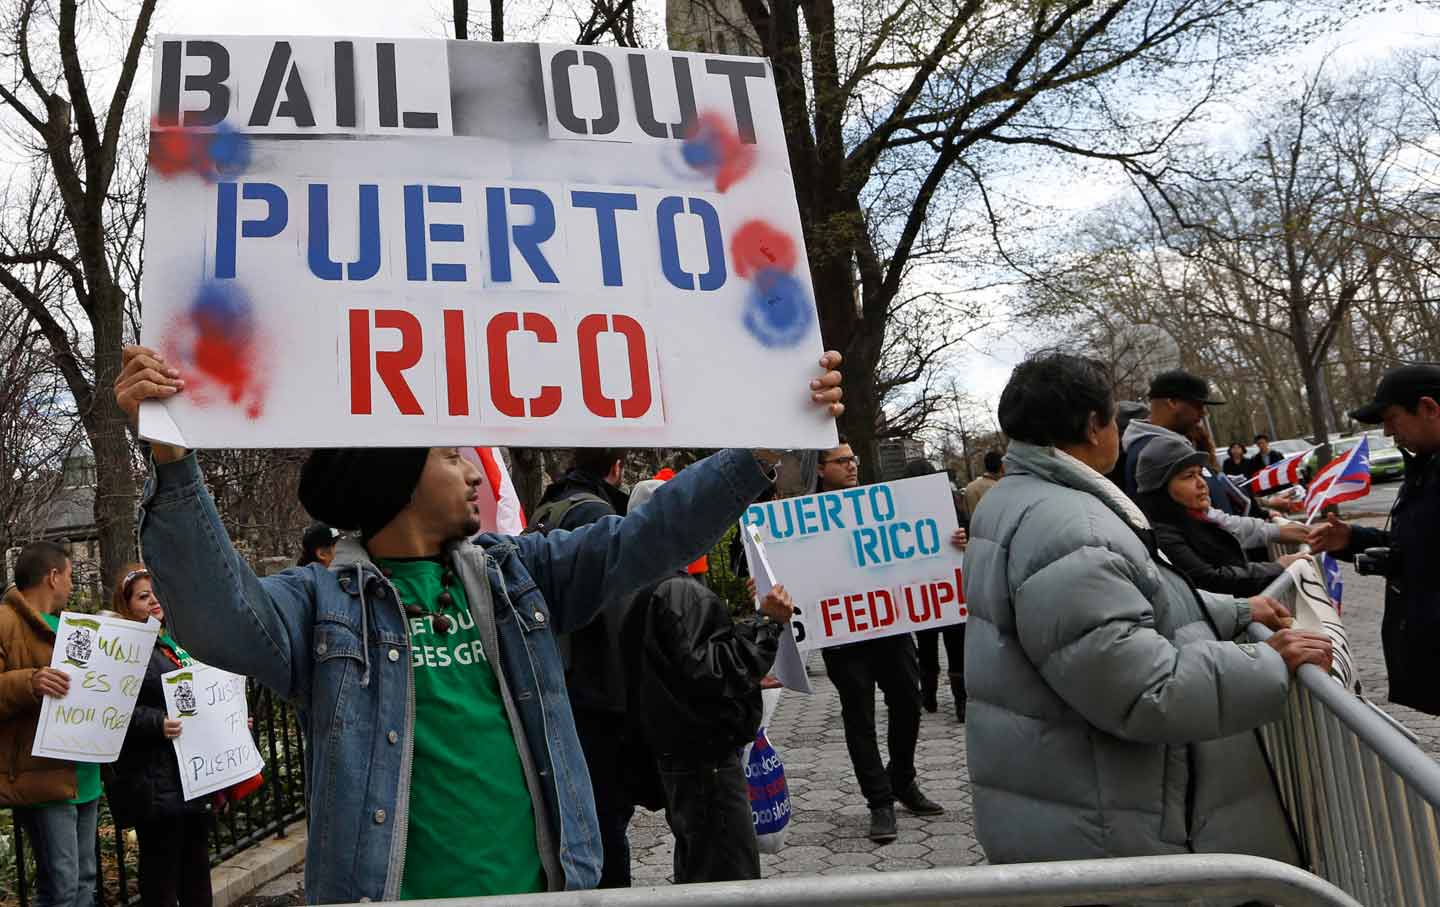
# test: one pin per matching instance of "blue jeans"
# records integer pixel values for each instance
(63, 837)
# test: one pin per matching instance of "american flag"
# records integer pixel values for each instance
(1345, 478)
(1278, 475)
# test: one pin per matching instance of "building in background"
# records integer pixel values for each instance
(710, 27)
(63, 511)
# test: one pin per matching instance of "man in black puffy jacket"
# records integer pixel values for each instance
(697, 693)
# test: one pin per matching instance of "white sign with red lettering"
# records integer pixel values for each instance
(865, 562)
(370, 242)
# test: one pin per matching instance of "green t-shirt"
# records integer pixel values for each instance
(87, 774)
(472, 826)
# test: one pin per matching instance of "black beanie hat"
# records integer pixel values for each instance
(360, 487)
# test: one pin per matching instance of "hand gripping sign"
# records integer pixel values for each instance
(457, 242)
(865, 562)
(215, 748)
(106, 659)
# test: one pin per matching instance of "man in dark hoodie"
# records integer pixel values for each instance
(1177, 404)
(594, 672)
(697, 675)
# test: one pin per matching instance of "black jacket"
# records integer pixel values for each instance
(696, 672)
(1260, 461)
(144, 783)
(1410, 630)
(1210, 557)
(594, 672)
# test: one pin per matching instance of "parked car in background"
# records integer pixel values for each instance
(1386, 462)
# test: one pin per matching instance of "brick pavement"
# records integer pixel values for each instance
(1363, 606)
(827, 832)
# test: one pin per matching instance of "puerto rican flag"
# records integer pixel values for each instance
(500, 510)
(1343, 479)
(1278, 475)
(1334, 579)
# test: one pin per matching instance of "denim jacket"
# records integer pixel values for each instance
(335, 642)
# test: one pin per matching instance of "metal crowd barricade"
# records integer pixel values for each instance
(1171, 878)
(1362, 796)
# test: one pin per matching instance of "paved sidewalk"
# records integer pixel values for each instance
(827, 832)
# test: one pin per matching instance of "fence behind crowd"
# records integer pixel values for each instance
(1361, 794)
(243, 824)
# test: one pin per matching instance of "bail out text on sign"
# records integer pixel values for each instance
(459, 241)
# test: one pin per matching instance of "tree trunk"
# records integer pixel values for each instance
(105, 426)
(527, 471)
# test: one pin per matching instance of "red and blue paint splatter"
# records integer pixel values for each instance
(777, 311)
(218, 341)
(713, 147)
(176, 151)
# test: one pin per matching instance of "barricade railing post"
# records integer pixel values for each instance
(1361, 794)
(1229, 877)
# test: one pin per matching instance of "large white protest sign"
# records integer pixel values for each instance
(105, 658)
(215, 749)
(865, 562)
(458, 242)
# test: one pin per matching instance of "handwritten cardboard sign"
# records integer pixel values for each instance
(864, 562)
(215, 748)
(458, 242)
(106, 659)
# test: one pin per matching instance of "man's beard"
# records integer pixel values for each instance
(472, 527)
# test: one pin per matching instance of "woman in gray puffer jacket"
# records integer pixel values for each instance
(1112, 712)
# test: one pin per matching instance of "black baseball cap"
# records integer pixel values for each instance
(1402, 386)
(1179, 384)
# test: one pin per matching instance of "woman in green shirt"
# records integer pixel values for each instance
(144, 783)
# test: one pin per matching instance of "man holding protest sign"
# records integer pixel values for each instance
(857, 669)
(440, 739)
(57, 802)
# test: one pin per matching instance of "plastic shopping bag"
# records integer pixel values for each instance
(765, 774)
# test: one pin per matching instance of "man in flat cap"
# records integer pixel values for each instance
(1407, 401)
(443, 759)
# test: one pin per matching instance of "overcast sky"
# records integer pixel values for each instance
(986, 363)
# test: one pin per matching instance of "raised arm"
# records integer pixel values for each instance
(226, 616)
(215, 605)
(599, 565)
(596, 566)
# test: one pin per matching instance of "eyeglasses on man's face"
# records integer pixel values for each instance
(851, 460)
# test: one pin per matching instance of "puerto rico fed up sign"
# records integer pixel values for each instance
(865, 562)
